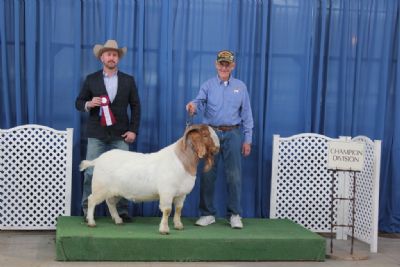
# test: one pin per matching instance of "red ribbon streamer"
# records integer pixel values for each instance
(107, 117)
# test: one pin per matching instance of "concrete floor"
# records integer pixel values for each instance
(37, 249)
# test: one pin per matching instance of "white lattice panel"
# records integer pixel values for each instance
(301, 184)
(301, 187)
(367, 195)
(35, 176)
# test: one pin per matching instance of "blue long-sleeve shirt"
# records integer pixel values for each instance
(226, 103)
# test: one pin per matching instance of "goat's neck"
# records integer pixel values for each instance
(187, 156)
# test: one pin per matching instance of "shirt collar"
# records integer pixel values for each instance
(115, 73)
(221, 82)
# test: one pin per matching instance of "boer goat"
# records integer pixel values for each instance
(167, 175)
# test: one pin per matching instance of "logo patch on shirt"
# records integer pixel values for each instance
(236, 90)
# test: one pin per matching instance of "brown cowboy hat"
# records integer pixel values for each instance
(99, 49)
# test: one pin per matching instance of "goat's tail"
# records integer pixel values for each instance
(86, 164)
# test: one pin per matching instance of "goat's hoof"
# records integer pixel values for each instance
(164, 230)
(119, 221)
(178, 226)
(91, 224)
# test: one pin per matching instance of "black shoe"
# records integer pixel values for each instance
(84, 217)
(125, 218)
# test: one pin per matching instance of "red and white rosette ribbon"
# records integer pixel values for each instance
(107, 117)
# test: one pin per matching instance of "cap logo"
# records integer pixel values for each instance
(225, 55)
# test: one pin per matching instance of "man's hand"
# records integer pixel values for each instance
(191, 108)
(95, 102)
(129, 137)
(246, 149)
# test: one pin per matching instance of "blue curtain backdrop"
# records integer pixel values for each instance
(328, 66)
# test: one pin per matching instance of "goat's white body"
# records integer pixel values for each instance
(141, 177)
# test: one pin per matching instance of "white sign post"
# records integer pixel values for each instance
(345, 156)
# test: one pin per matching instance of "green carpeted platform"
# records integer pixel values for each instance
(259, 240)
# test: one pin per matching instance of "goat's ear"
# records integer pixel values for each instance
(209, 163)
(188, 131)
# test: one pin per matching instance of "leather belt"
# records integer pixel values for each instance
(225, 128)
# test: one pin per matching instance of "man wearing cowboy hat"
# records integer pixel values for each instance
(105, 96)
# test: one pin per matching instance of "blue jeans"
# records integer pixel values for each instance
(95, 148)
(230, 153)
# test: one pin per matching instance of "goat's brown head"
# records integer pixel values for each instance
(204, 141)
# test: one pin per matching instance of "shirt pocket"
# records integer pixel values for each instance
(234, 98)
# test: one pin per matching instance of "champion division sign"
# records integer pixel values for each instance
(345, 156)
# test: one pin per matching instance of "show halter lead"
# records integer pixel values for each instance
(107, 117)
(189, 120)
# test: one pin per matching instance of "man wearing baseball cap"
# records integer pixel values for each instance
(225, 104)
(105, 96)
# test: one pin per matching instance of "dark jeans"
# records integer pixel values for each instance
(230, 153)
